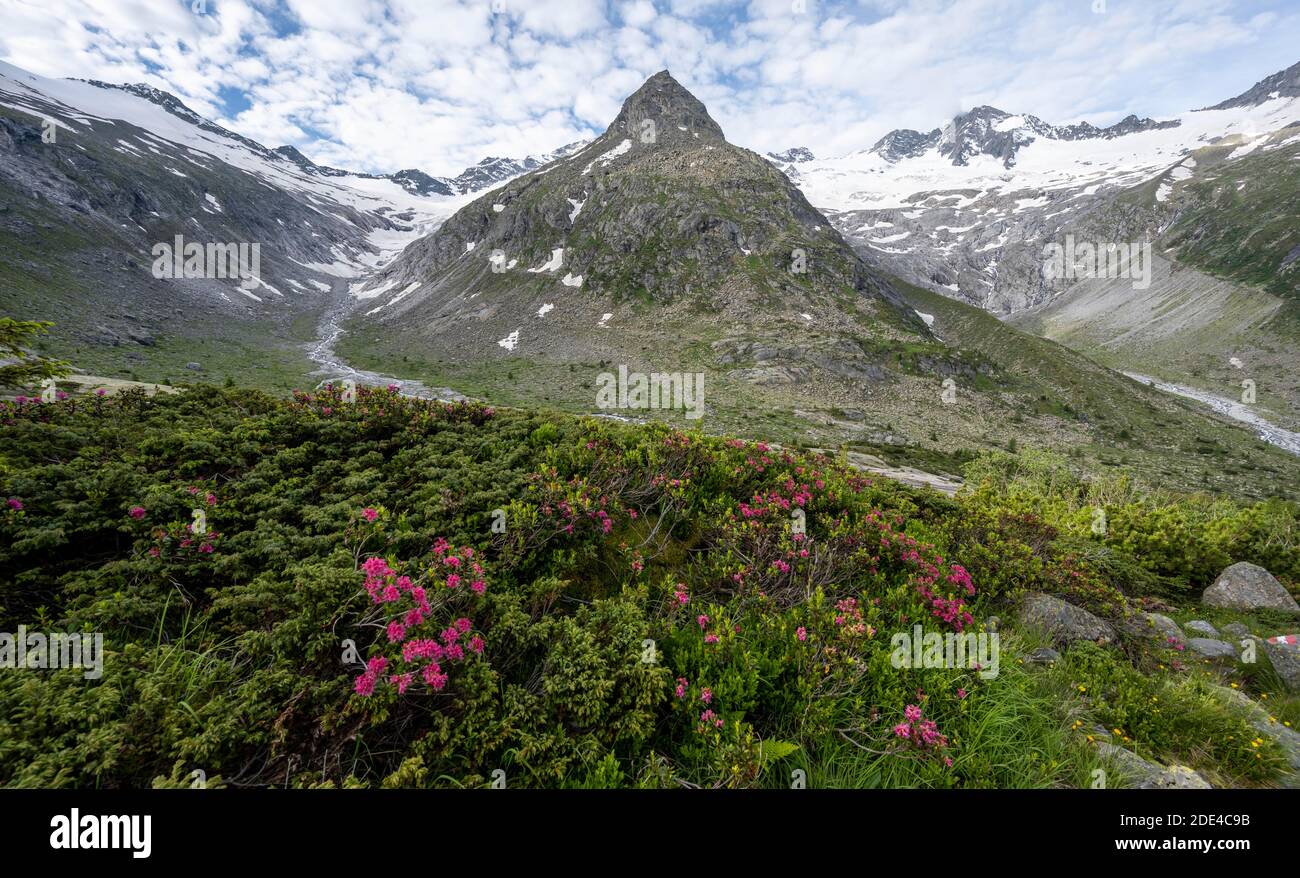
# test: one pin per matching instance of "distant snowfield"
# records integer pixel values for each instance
(866, 181)
(84, 103)
(552, 264)
(75, 104)
(606, 157)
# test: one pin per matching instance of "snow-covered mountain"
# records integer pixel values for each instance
(966, 208)
(94, 177)
(488, 172)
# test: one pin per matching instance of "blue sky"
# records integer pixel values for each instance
(379, 85)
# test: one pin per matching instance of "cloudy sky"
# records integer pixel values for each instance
(379, 85)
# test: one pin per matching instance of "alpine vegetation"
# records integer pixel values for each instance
(977, 651)
(423, 488)
(39, 651)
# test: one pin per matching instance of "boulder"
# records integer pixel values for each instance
(1151, 775)
(1265, 724)
(1044, 656)
(1245, 586)
(1065, 623)
(1236, 630)
(1211, 648)
(1165, 626)
(1203, 628)
(1285, 658)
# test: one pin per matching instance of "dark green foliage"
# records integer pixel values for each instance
(641, 627)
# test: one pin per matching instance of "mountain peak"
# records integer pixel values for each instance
(793, 155)
(665, 107)
(1283, 84)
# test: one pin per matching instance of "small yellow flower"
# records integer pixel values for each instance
(1235, 686)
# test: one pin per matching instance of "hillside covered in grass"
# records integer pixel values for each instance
(397, 592)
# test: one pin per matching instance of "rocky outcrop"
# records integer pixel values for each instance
(1164, 626)
(1147, 775)
(1211, 648)
(1285, 659)
(1257, 716)
(1245, 586)
(1065, 623)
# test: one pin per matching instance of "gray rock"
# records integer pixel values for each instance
(1236, 629)
(1164, 625)
(1065, 623)
(141, 336)
(1285, 658)
(1202, 627)
(1151, 775)
(195, 366)
(1044, 656)
(1257, 716)
(1245, 586)
(1211, 648)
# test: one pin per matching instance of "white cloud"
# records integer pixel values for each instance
(439, 84)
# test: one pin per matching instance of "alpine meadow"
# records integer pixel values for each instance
(649, 395)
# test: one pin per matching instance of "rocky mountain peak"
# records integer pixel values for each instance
(418, 182)
(663, 105)
(293, 154)
(793, 155)
(705, 233)
(1283, 84)
(904, 143)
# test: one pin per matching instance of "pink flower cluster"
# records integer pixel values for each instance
(948, 605)
(848, 619)
(921, 733)
(365, 684)
(782, 501)
(423, 655)
(459, 565)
